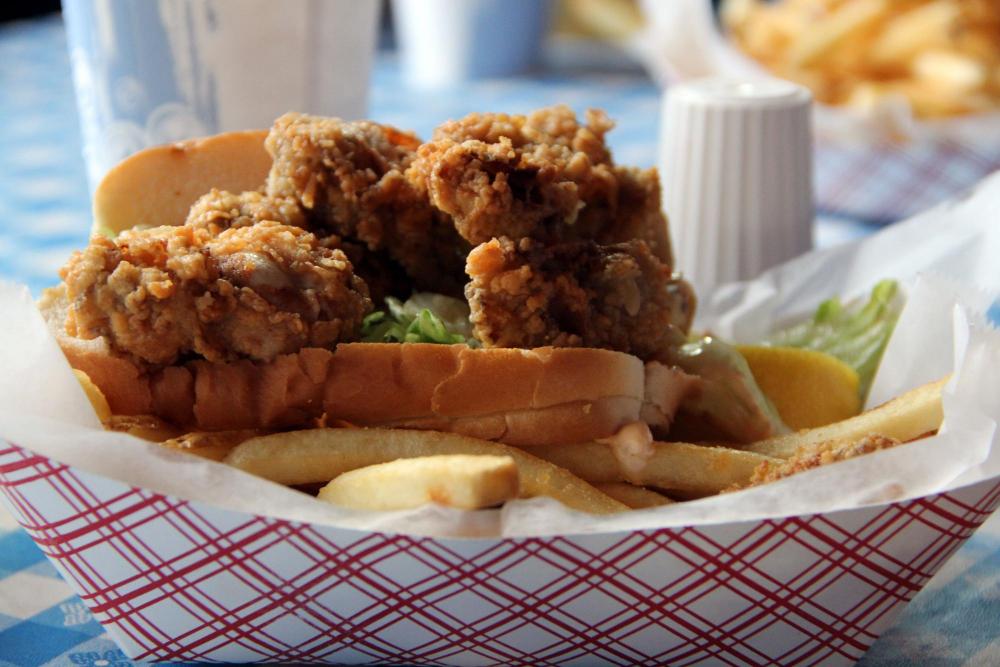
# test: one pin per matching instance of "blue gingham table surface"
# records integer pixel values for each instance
(44, 215)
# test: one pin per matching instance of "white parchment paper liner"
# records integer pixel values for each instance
(946, 259)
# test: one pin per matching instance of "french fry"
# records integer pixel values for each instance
(94, 395)
(319, 455)
(214, 445)
(464, 481)
(904, 418)
(950, 71)
(911, 32)
(692, 470)
(836, 29)
(819, 454)
(636, 497)
(146, 427)
(937, 56)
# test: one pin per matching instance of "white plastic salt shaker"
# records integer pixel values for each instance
(736, 168)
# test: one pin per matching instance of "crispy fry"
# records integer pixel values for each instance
(457, 480)
(146, 427)
(949, 70)
(636, 497)
(94, 395)
(304, 457)
(693, 470)
(907, 417)
(909, 33)
(840, 26)
(935, 55)
(214, 445)
(819, 454)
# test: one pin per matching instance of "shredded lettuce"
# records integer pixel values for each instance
(856, 333)
(423, 318)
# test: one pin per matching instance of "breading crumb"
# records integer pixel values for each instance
(818, 455)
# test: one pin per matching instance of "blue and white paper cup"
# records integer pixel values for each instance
(444, 43)
(158, 71)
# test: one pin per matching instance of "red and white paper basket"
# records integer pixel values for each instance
(181, 558)
(172, 579)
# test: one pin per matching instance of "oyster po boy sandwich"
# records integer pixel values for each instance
(505, 280)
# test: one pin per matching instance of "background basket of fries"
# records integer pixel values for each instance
(184, 558)
(908, 91)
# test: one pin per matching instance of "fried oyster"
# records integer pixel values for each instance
(348, 178)
(576, 294)
(162, 294)
(572, 249)
(543, 176)
(218, 210)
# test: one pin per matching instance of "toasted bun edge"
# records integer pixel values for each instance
(520, 397)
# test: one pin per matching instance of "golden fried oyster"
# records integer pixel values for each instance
(162, 294)
(218, 210)
(543, 176)
(576, 294)
(348, 178)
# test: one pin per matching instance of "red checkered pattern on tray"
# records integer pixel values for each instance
(177, 580)
(889, 182)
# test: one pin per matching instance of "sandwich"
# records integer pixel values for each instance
(505, 280)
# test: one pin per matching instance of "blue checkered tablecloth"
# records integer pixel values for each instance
(44, 215)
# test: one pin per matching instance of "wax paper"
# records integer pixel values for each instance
(945, 261)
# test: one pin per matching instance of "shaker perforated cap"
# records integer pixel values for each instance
(736, 167)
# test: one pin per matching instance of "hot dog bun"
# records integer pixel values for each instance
(157, 186)
(519, 397)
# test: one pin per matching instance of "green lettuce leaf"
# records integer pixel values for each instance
(855, 333)
(423, 318)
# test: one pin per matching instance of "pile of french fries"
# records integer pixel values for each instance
(387, 469)
(941, 57)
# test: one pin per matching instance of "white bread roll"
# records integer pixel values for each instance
(519, 397)
(157, 186)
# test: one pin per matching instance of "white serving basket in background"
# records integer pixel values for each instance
(879, 167)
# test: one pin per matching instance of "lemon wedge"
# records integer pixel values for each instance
(808, 388)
